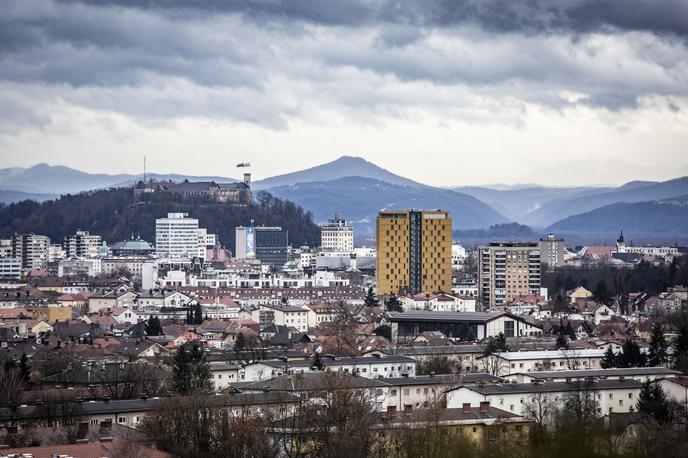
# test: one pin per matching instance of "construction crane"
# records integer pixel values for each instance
(247, 172)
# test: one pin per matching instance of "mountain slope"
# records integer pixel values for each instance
(518, 202)
(359, 199)
(345, 166)
(668, 216)
(58, 179)
(7, 197)
(631, 192)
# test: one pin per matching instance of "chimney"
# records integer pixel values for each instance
(484, 406)
(466, 407)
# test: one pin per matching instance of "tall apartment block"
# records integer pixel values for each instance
(552, 251)
(32, 249)
(337, 235)
(507, 270)
(413, 252)
(81, 245)
(179, 237)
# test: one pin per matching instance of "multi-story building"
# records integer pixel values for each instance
(32, 249)
(5, 248)
(507, 270)
(552, 251)
(10, 268)
(81, 245)
(413, 252)
(133, 247)
(337, 235)
(272, 245)
(245, 242)
(179, 237)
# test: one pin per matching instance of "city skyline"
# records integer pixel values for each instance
(574, 93)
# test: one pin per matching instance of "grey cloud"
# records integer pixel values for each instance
(661, 16)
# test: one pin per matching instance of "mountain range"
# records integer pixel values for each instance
(357, 189)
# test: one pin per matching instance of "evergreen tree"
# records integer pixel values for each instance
(198, 314)
(317, 362)
(383, 331)
(562, 341)
(24, 368)
(500, 342)
(609, 359)
(240, 342)
(153, 326)
(631, 356)
(393, 304)
(601, 294)
(680, 350)
(370, 299)
(654, 403)
(191, 372)
(657, 353)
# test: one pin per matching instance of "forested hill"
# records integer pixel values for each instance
(113, 215)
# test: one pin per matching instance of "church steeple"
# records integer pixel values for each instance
(620, 240)
(620, 245)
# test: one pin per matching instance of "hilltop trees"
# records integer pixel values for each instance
(112, 215)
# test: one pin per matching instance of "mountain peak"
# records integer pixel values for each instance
(344, 166)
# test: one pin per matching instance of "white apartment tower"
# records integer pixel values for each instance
(32, 249)
(179, 237)
(82, 245)
(337, 235)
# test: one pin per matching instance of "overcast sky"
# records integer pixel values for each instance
(447, 92)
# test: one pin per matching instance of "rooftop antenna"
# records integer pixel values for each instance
(144, 169)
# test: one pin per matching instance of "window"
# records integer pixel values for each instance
(394, 392)
(406, 391)
(122, 420)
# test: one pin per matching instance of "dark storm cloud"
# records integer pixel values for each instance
(660, 16)
(266, 62)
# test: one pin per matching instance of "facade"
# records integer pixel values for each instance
(467, 326)
(552, 251)
(235, 193)
(413, 252)
(10, 268)
(179, 237)
(337, 235)
(272, 245)
(281, 315)
(245, 242)
(507, 270)
(510, 362)
(81, 245)
(609, 396)
(32, 249)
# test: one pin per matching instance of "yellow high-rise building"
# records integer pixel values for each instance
(413, 252)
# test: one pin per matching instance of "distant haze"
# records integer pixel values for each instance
(447, 93)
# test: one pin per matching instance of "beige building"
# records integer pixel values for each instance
(413, 252)
(507, 270)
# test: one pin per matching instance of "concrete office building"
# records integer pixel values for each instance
(552, 251)
(81, 245)
(10, 268)
(413, 252)
(506, 270)
(272, 245)
(337, 235)
(245, 242)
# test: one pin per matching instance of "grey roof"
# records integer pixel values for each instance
(341, 361)
(440, 349)
(312, 381)
(463, 379)
(601, 373)
(457, 317)
(144, 405)
(552, 387)
(138, 245)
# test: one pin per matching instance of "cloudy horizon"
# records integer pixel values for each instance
(443, 92)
